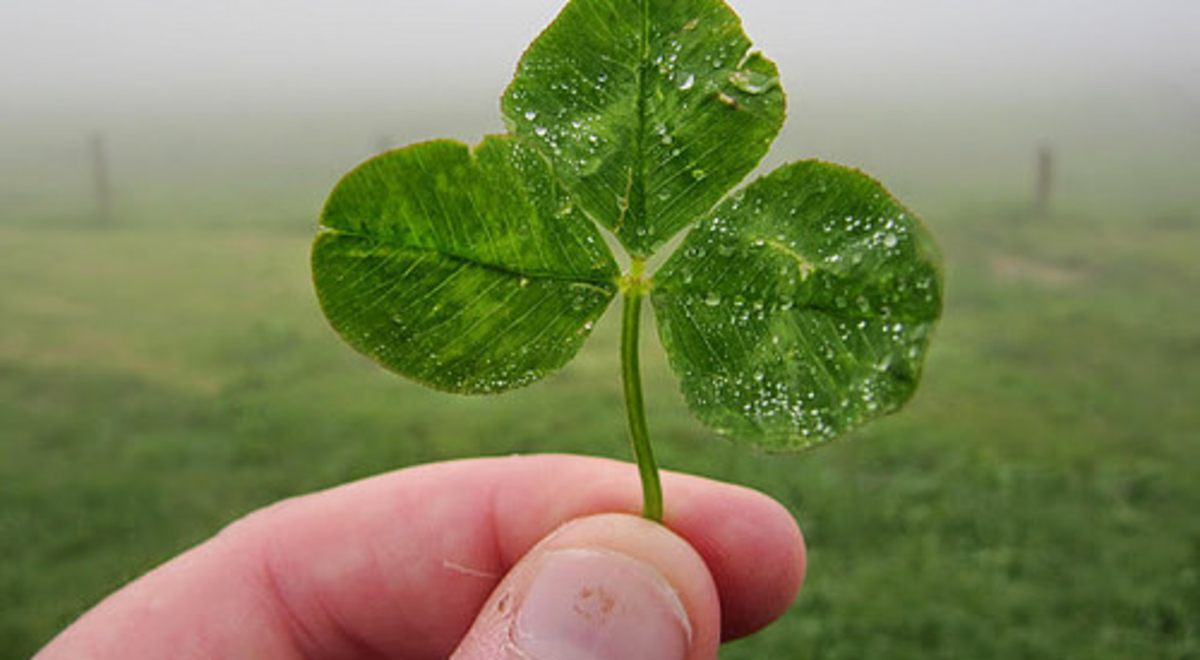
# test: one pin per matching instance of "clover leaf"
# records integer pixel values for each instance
(650, 111)
(795, 309)
(467, 271)
(800, 307)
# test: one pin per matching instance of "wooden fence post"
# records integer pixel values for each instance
(101, 180)
(1045, 181)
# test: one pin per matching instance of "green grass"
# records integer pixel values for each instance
(1037, 499)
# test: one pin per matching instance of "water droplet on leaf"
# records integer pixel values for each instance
(751, 82)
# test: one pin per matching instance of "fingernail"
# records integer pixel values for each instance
(599, 605)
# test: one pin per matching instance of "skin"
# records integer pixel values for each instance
(401, 565)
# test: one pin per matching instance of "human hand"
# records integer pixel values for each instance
(482, 559)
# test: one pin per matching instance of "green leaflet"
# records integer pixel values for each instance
(650, 111)
(794, 310)
(470, 272)
(800, 308)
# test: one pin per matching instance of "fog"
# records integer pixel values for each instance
(872, 81)
(147, 54)
(132, 52)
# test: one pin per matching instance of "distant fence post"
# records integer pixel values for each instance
(101, 180)
(1045, 181)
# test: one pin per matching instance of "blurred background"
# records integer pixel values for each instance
(164, 368)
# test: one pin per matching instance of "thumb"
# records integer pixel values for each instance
(606, 587)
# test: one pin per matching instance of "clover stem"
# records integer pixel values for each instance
(633, 291)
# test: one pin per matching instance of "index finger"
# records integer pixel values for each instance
(399, 565)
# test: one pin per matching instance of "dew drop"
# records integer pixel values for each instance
(530, 115)
(751, 82)
(890, 240)
(688, 82)
(712, 299)
(541, 131)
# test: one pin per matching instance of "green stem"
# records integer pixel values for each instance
(635, 407)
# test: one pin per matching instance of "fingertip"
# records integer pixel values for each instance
(753, 546)
(751, 543)
(617, 585)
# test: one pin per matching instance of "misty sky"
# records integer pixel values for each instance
(125, 54)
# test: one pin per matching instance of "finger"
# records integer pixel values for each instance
(607, 587)
(399, 565)
(751, 544)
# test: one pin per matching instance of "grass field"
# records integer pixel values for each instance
(1038, 499)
